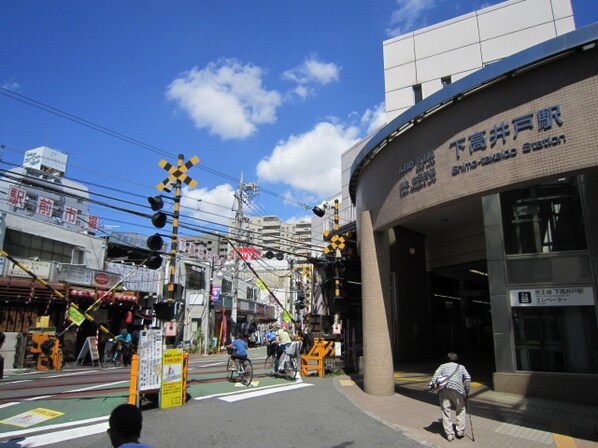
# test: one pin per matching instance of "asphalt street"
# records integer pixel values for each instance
(308, 412)
(315, 415)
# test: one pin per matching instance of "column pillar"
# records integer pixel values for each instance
(375, 277)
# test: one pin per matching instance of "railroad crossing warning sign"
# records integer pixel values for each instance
(177, 173)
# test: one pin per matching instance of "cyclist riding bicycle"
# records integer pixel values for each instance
(283, 339)
(124, 348)
(239, 348)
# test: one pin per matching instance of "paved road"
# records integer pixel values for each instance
(313, 415)
(273, 410)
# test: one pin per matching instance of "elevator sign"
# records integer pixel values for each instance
(557, 296)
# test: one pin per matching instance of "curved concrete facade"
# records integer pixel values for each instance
(524, 120)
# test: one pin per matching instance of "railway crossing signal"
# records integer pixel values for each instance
(176, 176)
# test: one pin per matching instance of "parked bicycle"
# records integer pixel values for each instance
(239, 369)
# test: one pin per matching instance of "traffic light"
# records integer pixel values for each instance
(154, 261)
(155, 242)
(158, 218)
(164, 310)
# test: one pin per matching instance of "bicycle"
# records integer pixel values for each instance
(270, 357)
(243, 369)
(290, 364)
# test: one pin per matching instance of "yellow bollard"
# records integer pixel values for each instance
(133, 392)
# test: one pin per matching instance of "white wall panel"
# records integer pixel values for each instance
(514, 17)
(448, 63)
(398, 52)
(430, 87)
(562, 9)
(399, 99)
(392, 114)
(564, 26)
(399, 77)
(439, 40)
(503, 46)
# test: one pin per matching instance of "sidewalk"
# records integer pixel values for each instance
(499, 419)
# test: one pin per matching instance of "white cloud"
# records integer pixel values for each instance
(409, 15)
(299, 218)
(374, 118)
(226, 97)
(12, 85)
(210, 205)
(312, 72)
(311, 161)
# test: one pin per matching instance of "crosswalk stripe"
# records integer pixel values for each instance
(262, 392)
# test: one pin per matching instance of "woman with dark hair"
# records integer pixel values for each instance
(456, 384)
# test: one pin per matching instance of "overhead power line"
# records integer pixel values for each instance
(133, 141)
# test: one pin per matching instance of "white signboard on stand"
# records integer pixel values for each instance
(150, 360)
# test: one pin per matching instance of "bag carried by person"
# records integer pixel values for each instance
(441, 382)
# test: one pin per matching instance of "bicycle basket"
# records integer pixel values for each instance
(230, 350)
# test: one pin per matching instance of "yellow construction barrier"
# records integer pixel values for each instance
(314, 360)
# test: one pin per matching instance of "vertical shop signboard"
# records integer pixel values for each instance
(150, 360)
(171, 394)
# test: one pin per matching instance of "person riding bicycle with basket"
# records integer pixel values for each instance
(283, 339)
(238, 351)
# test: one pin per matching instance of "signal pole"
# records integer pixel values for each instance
(176, 176)
(245, 192)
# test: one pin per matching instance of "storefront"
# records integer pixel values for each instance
(478, 224)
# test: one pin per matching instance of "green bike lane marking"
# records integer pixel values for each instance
(99, 405)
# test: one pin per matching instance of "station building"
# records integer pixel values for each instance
(477, 224)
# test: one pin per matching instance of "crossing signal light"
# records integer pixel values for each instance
(155, 242)
(156, 203)
(154, 261)
(164, 310)
(158, 218)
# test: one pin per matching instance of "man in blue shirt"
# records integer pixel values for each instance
(125, 347)
(240, 351)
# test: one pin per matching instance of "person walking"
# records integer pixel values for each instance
(454, 394)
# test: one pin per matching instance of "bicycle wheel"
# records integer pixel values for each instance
(290, 370)
(246, 372)
(229, 369)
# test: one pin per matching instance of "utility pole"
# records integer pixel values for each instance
(245, 193)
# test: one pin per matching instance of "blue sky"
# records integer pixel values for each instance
(274, 89)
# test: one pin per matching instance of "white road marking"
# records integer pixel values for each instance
(24, 432)
(71, 374)
(98, 386)
(7, 405)
(263, 392)
(41, 397)
(61, 436)
(237, 392)
(15, 382)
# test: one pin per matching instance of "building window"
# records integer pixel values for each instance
(195, 278)
(25, 245)
(445, 81)
(556, 339)
(543, 218)
(417, 93)
(227, 286)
